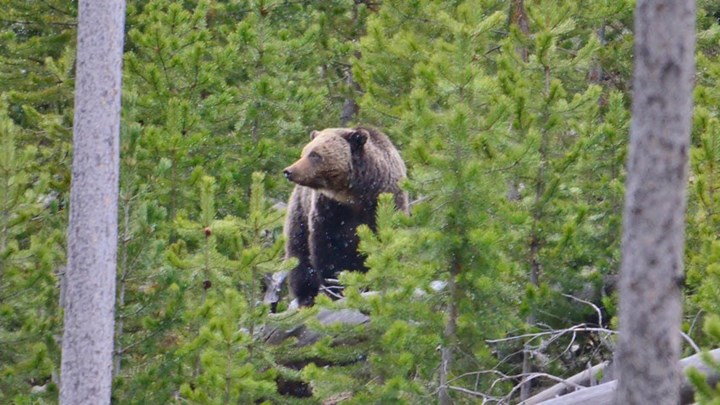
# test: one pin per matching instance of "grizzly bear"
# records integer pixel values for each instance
(338, 178)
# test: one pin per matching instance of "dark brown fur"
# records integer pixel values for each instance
(339, 177)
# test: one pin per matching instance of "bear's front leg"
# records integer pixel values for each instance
(304, 281)
(305, 284)
(333, 238)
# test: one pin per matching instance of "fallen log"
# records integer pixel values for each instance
(585, 378)
(604, 394)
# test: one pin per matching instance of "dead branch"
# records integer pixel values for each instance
(580, 380)
(555, 333)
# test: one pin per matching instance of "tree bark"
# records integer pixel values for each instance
(92, 232)
(350, 108)
(519, 18)
(654, 217)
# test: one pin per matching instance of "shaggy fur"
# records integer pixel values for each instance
(339, 177)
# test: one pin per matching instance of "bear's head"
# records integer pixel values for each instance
(326, 163)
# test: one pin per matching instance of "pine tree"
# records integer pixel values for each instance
(30, 250)
(512, 134)
(703, 246)
(37, 63)
(402, 336)
(652, 272)
(233, 365)
(37, 55)
(179, 97)
(445, 125)
(212, 313)
(219, 89)
(36, 75)
(511, 116)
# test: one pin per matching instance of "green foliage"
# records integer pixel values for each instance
(510, 155)
(29, 315)
(403, 337)
(703, 245)
(37, 57)
(515, 143)
(220, 90)
(176, 96)
(704, 393)
(558, 132)
(208, 325)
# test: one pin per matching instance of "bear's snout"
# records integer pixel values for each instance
(298, 172)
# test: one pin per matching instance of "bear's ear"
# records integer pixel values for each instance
(314, 134)
(356, 138)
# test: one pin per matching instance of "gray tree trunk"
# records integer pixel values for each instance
(654, 218)
(87, 343)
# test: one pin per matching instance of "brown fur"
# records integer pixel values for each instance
(339, 177)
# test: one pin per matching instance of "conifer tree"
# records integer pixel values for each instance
(37, 63)
(142, 294)
(30, 250)
(37, 55)
(652, 272)
(470, 111)
(226, 368)
(174, 76)
(445, 125)
(211, 317)
(703, 246)
(221, 89)
(511, 116)
(553, 122)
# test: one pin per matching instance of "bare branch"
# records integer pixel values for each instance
(595, 307)
(574, 329)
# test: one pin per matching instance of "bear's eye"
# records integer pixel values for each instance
(315, 156)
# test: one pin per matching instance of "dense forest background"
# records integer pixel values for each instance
(512, 116)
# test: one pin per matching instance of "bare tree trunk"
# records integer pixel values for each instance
(519, 19)
(87, 343)
(595, 73)
(350, 107)
(654, 218)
